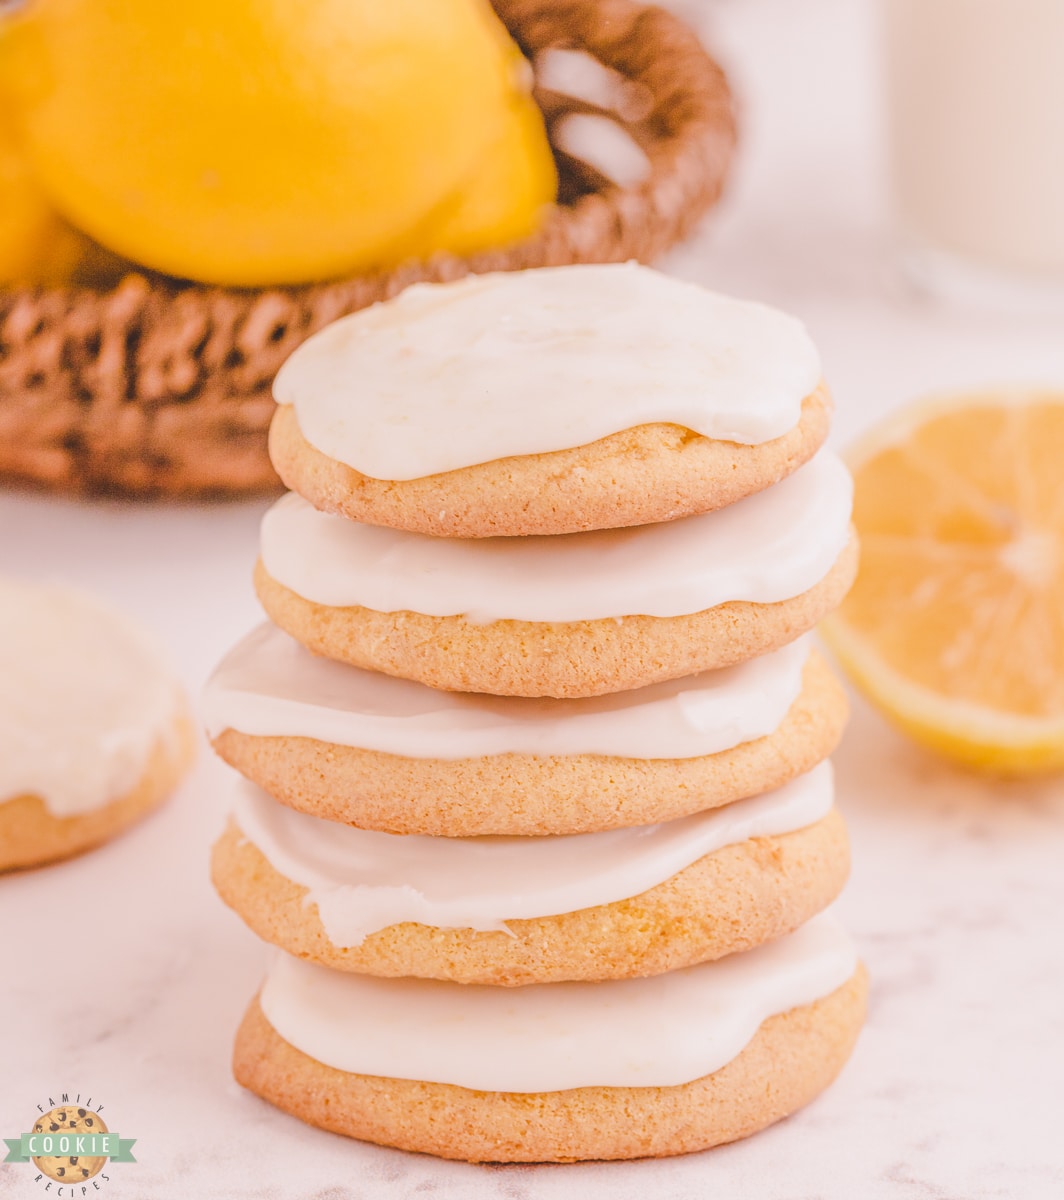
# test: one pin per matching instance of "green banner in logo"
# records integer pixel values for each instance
(91, 1145)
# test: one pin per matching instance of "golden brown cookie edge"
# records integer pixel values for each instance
(725, 902)
(789, 1061)
(638, 476)
(563, 660)
(530, 795)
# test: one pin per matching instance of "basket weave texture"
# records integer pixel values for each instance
(158, 389)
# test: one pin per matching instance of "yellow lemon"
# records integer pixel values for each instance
(251, 143)
(955, 627)
(36, 246)
(504, 199)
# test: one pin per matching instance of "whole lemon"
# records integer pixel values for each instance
(257, 142)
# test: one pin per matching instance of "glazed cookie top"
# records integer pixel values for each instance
(85, 696)
(269, 685)
(446, 376)
(765, 548)
(661, 1031)
(363, 881)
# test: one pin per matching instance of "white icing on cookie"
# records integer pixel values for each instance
(84, 697)
(269, 685)
(362, 881)
(657, 1032)
(765, 548)
(527, 362)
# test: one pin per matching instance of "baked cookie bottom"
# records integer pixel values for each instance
(559, 659)
(532, 795)
(639, 476)
(31, 836)
(789, 1061)
(728, 901)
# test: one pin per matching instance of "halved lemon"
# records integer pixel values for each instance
(955, 626)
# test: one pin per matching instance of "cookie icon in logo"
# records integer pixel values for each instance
(65, 1123)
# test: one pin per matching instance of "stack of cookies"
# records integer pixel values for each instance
(536, 800)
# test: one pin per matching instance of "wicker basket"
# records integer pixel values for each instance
(160, 389)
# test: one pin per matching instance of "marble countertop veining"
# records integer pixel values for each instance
(957, 891)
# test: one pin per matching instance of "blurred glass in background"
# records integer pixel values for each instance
(976, 111)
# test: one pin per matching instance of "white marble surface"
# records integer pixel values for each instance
(957, 892)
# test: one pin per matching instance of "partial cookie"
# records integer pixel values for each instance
(31, 835)
(94, 728)
(762, 1062)
(528, 794)
(547, 402)
(728, 901)
(636, 477)
(572, 659)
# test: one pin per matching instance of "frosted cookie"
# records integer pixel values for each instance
(547, 401)
(515, 911)
(94, 728)
(711, 1053)
(389, 754)
(581, 615)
